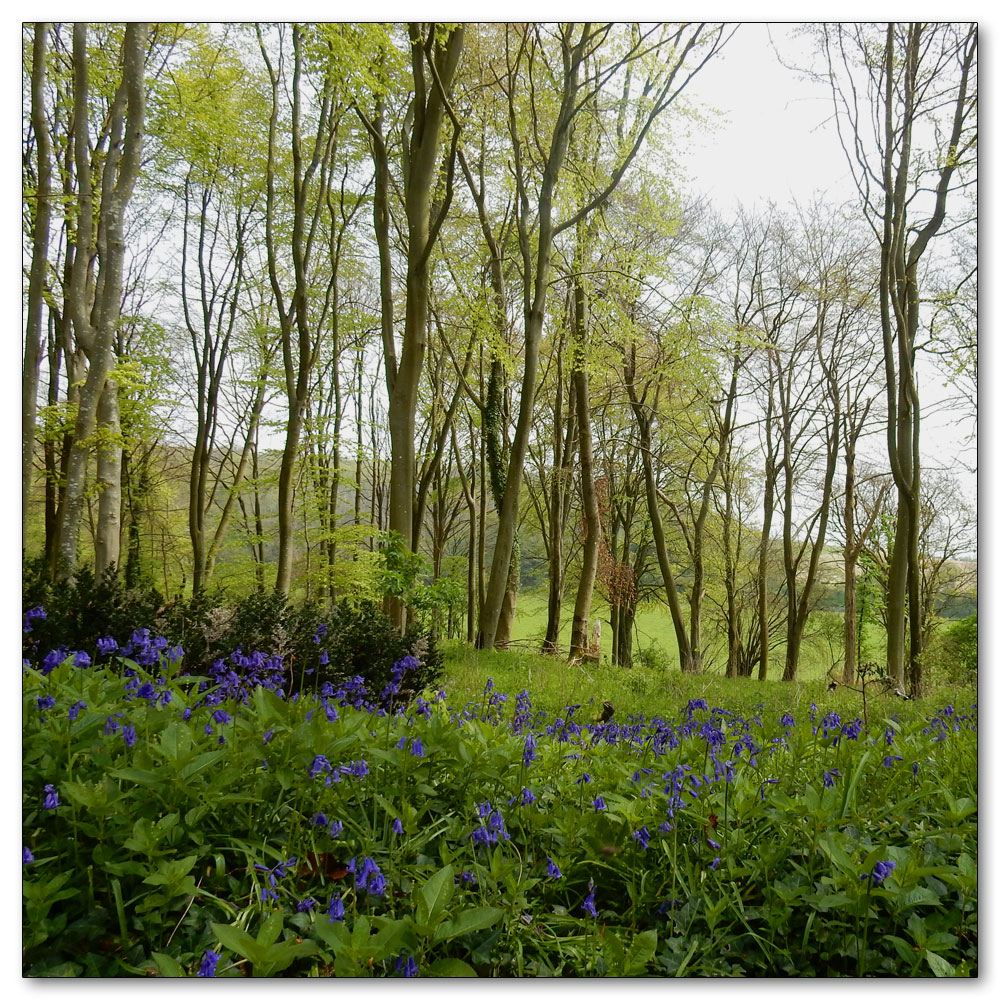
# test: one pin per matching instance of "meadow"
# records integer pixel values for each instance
(504, 823)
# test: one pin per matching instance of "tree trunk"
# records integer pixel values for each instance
(39, 263)
(109, 481)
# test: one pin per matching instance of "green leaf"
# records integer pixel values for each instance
(434, 896)
(200, 762)
(168, 967)
(236, 939)
(941, 967)
(475, 919)
(640, 953)
(137, 775)
(453, 968)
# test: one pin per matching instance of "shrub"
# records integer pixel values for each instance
(363, 641)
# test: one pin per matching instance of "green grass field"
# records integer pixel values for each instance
(654, 630)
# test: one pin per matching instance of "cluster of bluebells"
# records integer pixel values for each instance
(491, 827)
(279, 871)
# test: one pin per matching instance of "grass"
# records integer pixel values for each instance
(654, 631)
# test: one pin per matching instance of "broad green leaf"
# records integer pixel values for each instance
(434, 896)
(169, 967)
(476, 919)
(941, 967)
(453, 968)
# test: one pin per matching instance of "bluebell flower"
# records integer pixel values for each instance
(588, 904)
(916, 768)
(44, 701)
(377, 885)
(319, 819)
(26, 856)
(106, 646)
(641, 837)
(828, 777)
(221, 716)
(527, 796)
(584, 778)
(711, 843)
(208, 963)
(529, 749)
(887, 762)
(417, 748)
(553, 869)
(465, 878)
(787, 720)
(397, 826)
(336, 827)
(409, 968)
(599, 805)
(52, 659)
(305, 905)
(147, 692)
(81, 659)
(267, 738)
(33, 614)
(51, 800)
(715, 863)
(129, 736)
(336, 908)
(881, 871)
(320, 765)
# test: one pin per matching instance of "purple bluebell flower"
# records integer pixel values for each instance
(106, 646)
(641, 837)
(336, 908)
(33, 614)
(128, 735)
(553, 869)
(221, 716)
(51, 800)
(529, 749)
(397, 826)
(305, 905)
(336, 827)
(711, 843)
(787, 721)
(320, 765)
(916, 768)
(26, 856)
(417, 748)
(588, 904)
(599, 805)
(828, 777)
(52, 659)
(409, 968)
(319, 819)
(208, 963)
(887, 762)
(465, 878)
(44, 701)
(584, 779)
(81, 659)
(715, 863)
(881, 871)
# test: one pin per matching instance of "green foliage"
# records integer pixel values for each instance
(953, 653)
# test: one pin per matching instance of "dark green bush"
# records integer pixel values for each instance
(363, 641)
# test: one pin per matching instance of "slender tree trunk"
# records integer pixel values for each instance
(580, 636)
(39, 263)
(109, 480)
